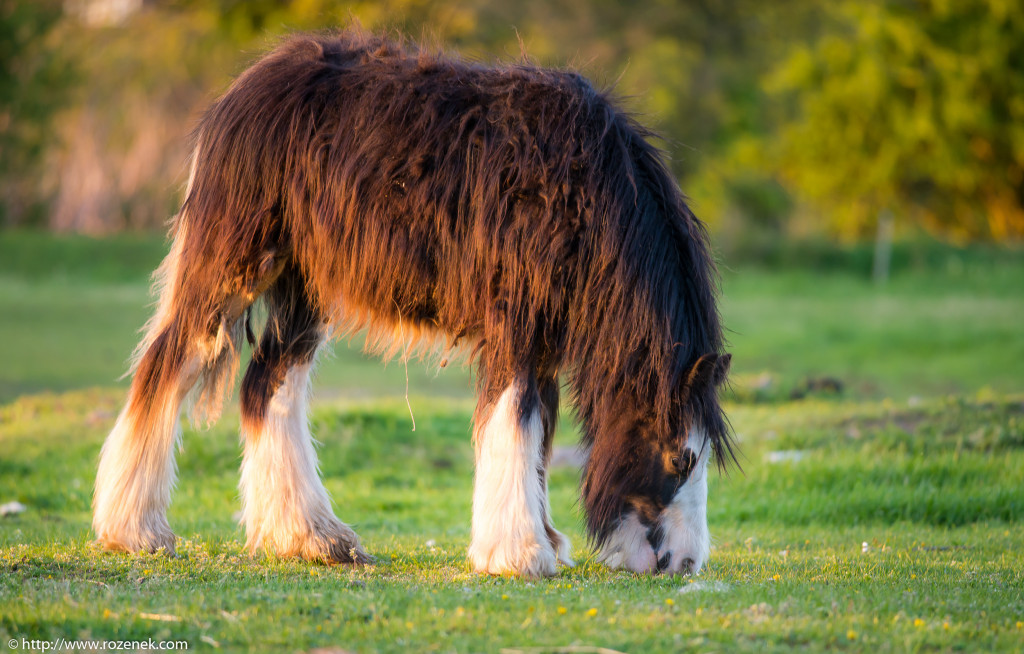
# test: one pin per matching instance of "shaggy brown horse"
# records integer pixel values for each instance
(354, 182)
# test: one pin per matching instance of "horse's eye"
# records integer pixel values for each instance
(685, 463)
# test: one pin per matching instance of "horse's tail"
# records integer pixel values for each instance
(205, 288)
(230, 239)
(212, 357)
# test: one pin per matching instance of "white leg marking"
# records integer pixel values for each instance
(508, 497)
(285, 506)
(685, 521)
(628, 548)
(136, 473)
(133, 485)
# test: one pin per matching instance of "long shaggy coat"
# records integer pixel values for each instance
(353, 182)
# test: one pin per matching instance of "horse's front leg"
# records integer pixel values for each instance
(510, 526)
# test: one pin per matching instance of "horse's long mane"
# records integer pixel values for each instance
(513, 208)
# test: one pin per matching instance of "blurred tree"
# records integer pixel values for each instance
(847, 106)
(912, 105)
(149, 74)
(33, 82)
(126, 133)
(689, 69)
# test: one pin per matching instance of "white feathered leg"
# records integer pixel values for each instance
(136, 470)
(285, 506)
(509, 499)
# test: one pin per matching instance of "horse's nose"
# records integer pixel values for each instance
(664, 561)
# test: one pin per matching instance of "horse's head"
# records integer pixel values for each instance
(646, 492)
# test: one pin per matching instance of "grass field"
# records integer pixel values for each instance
(889, 517)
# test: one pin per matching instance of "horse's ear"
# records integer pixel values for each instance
(722, 368)
(701, 374)
(710, 370)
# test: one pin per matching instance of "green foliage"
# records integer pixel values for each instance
(914, 106)
(33, 82)
(782, 120)
(687, 69)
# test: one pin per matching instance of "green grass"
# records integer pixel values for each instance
(950, 323)
(924, 333)
(921, 457)
(935, 491)
(71, 308)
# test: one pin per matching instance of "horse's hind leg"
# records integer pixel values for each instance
(286, 508)
(510, 532)
(136, 469)
(193, 337)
